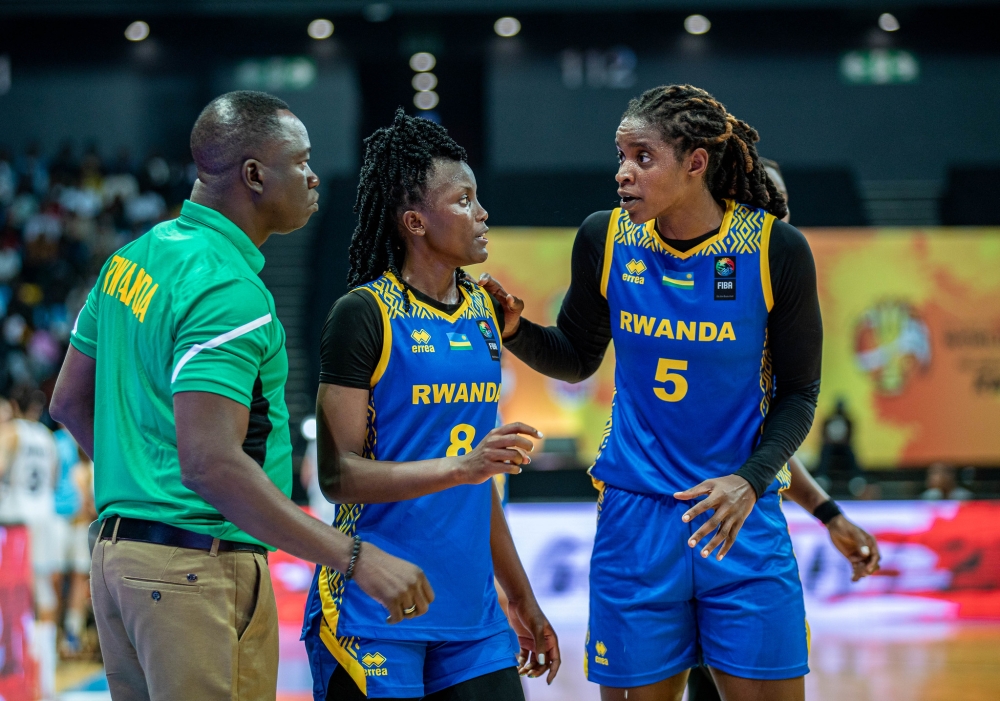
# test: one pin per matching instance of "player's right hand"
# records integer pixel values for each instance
(512, 306)
(856, 544)
(396, 584)
(503, 450)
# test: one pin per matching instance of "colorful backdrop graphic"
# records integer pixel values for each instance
(912, 342)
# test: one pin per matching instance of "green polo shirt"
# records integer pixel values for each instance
(181, 309)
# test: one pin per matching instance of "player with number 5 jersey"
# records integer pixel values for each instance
(407, 442)
(711, 302)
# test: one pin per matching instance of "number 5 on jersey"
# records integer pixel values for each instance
(679, 382)
(461, 440)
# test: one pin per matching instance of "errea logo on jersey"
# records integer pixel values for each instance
(422, 344)
(373, 665)
(635, 270)
(602, 651)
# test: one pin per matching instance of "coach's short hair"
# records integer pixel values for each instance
(233, 127)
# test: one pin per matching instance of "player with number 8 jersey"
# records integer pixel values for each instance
(408, 443)
(427, 404)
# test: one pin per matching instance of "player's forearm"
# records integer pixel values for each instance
(348, 478)
(550, 351)
(245, 496)
(804, 490)
(787, 425)
(507, 565)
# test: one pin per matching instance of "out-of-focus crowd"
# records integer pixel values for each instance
(60, 218)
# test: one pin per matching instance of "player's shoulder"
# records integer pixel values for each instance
(593, 232)
(358, 305)
(788, 243)
(597, 223)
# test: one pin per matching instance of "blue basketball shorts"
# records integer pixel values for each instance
(412, 669)
(658, 608)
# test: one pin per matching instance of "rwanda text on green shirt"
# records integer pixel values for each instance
(181, 309)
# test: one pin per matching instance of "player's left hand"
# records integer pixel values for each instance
(539, 644)
(732, 498)
(856, 544)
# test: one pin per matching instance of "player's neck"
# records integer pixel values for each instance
(432, 276)
(690, 218)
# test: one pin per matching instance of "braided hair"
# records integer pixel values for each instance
(394, 174)
(690, 118)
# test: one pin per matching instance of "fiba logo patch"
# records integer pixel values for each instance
(725, 278)
(373, 665)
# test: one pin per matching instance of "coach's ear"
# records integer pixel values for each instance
(252, 174)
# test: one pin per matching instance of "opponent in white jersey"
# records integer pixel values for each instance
(29, 464)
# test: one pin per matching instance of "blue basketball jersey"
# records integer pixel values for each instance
(693, 371)
(434, 394)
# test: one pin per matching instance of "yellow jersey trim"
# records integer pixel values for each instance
(727, 221)
(765, 264)
(328, 634)
(383, 361)
(609, 249)
(496, 323)
(453, 317)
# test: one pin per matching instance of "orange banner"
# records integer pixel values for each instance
(912, 342)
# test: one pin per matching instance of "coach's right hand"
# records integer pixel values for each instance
(396, 584)
(503, 450)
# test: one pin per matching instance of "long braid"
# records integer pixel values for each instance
(690, 118)
(397, 161)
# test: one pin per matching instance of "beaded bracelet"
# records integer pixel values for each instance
(827, 511)
(355, 551)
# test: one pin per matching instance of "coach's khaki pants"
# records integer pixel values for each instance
(178, 624)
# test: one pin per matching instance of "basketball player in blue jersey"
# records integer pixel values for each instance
(408, 443)
(711, 302)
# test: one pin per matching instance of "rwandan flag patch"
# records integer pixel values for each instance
(459, 342)
(679, 281)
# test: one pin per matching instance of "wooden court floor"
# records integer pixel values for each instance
(912, 663)
(920, 663)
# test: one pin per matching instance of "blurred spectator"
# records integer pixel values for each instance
(837, 463)
(60, 219)
(942, 484)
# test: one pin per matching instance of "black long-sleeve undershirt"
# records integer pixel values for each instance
(573, 349)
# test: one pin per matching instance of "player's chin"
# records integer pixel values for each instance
(637, 212)
(478, 254)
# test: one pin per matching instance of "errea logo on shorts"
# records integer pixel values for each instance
(635, 270)
(373, 665)
(422, 344)
(602, 650)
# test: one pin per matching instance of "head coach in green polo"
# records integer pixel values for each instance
(174, 383)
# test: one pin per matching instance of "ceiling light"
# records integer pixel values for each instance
(697, 24)
(377, 12)
(308, 428)
(422, 61)
(507, 26)
(137, 31)
(426, 100)
(422, 82)
(888, 22)
(320, 29)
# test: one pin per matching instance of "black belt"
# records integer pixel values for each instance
(164, 534)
